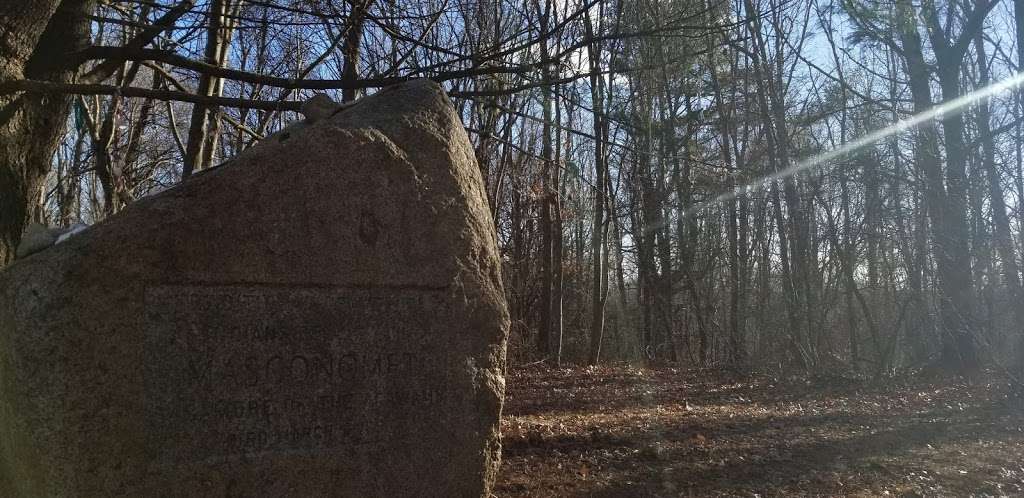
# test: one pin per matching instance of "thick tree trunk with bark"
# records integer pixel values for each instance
(959, 347)
(36, 38)
(926, 154)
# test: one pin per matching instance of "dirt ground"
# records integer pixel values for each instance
(630, 432)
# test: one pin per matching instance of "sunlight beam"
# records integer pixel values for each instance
(956, 105)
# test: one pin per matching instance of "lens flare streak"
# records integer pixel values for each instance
(952, 106)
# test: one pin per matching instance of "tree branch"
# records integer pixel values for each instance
(37, 86)
(973, 24)
(106, 68)
(167, 57)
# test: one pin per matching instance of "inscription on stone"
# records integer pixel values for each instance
(233, 370)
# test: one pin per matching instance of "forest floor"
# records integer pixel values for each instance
(629, 432)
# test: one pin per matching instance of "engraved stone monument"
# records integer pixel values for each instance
(320, 316)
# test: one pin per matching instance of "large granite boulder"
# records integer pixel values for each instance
(321, 316)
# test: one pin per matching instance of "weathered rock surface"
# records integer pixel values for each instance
(321, 316)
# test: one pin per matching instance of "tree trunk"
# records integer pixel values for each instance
(199, 126)
(596, 239)
(37, 37)
(353, 41)
(214, 114)
(1018, 14)
(556, 249)
(546, 232)
(952, 255)
(549, 186)
(1003, 233)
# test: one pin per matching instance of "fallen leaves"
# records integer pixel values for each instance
(581, 432)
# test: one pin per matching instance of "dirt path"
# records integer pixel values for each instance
(625, 432)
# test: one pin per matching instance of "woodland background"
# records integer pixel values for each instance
(604, 130)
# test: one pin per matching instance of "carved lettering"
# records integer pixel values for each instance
(243, 370)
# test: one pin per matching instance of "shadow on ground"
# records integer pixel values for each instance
(620, 431)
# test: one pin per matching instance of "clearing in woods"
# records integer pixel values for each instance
(629, 432)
